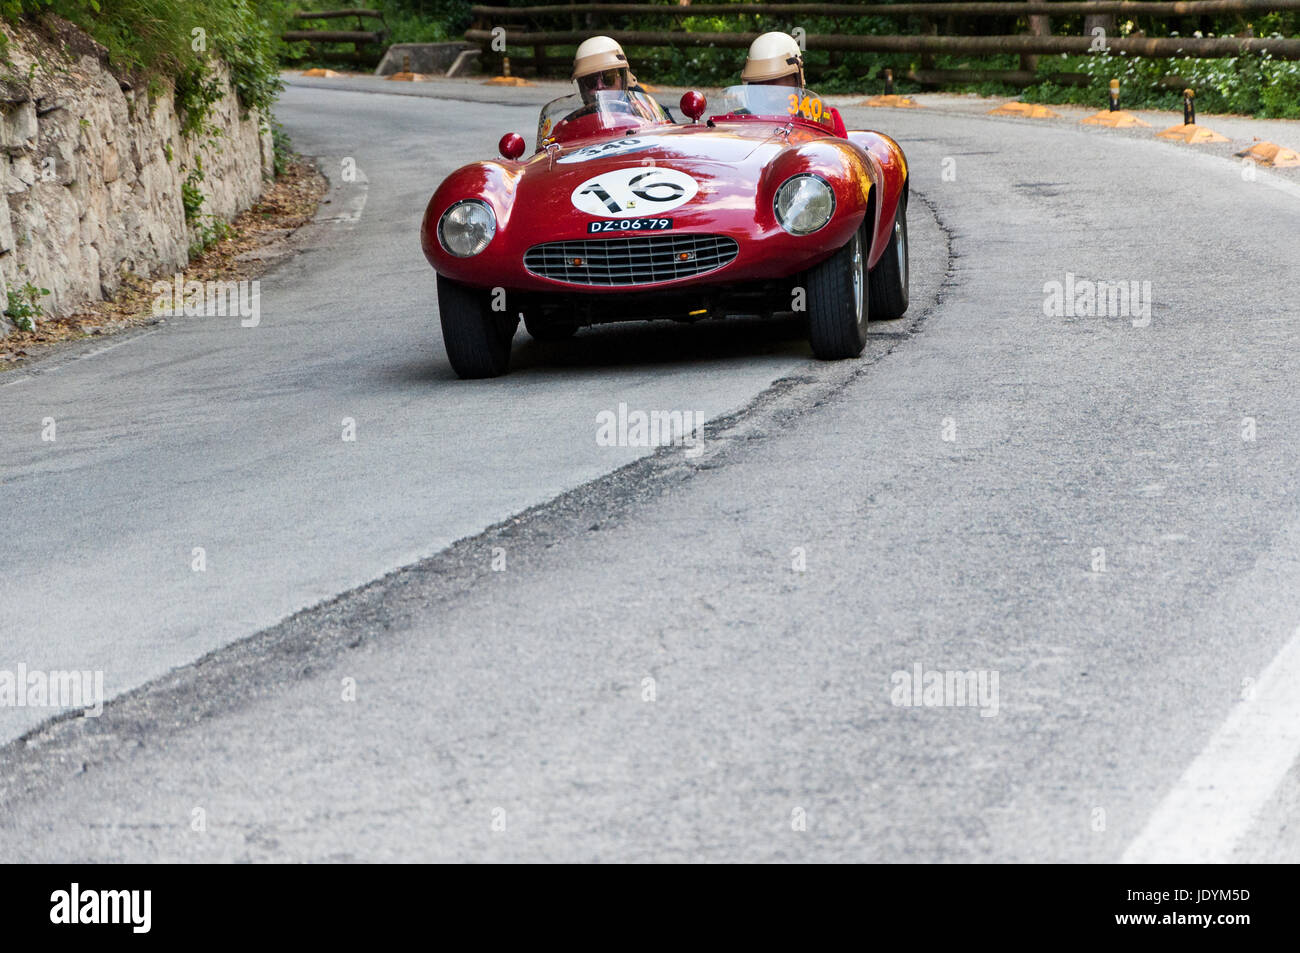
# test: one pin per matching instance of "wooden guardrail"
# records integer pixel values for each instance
(928, 42)
(1135, 45)
(359, 38)
(957, 8)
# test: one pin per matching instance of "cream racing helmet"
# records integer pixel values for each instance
(597, 57)
(773, 56)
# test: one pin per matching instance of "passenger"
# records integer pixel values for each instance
(774, 59)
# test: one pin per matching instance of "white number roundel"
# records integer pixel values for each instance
(639, 190)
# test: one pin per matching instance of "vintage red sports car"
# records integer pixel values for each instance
(621, 214)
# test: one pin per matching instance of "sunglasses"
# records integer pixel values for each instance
(602, 80)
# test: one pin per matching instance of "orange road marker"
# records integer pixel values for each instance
(1114, 116)
(1119, 119)
(1189, 132)
(404, 75)
(890, 101)
(321, 72)
(1270, 153)
(505, 79)
(1025, 110)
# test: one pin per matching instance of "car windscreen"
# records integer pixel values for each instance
(776, 102)
(605, 110)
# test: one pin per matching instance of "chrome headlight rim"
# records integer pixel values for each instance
(776, 203)
(442, 224)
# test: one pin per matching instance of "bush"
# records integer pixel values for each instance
(174, 38)
(1252, 85)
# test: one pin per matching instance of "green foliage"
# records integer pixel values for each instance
(207, 233)
(407, 21)
(196, 92)
(191, 194)
(207, 228)
(425, 21)
(1253, 85)
(283, 148)
(1248, 84)
(175, 39)
(25, 306)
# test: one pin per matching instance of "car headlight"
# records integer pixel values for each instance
(466, 228)
(804, 203)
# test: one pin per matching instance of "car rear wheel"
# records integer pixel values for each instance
(838, 300)
(542, 329)
(476, 337)
(889, 279)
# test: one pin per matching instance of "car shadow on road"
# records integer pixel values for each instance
(641, 343)
(636, 344)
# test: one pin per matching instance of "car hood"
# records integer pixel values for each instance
(726, 164)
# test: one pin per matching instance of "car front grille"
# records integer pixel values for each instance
(613, 262)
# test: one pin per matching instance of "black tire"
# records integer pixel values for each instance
(476, 337)
(889, 279)
(838, 302)
(540, 329)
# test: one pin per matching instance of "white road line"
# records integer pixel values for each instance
(114, 346)
(355, 194)
(54, 368)
(1216, 801)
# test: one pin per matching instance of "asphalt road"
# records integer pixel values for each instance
(685, 658)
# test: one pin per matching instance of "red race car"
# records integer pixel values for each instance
(621, 214)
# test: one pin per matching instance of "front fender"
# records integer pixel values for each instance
(494, 183)
(889, 170)
(840, 164)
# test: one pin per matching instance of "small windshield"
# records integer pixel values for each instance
(776, 102)
(609, 110)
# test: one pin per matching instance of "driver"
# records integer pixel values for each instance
(774, 59)
(601, 64)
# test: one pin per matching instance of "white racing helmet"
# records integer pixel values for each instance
(771, 57)
(599, 55)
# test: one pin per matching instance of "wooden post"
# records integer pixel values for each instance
(1104, 20)
(1039, 25)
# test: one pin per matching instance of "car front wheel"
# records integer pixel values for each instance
(477, 338)
(838, 301)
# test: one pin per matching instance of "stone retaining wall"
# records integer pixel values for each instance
(93, 168)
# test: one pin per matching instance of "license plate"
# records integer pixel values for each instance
(630, 225)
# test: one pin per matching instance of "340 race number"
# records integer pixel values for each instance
(810, 107)
(630, 225)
